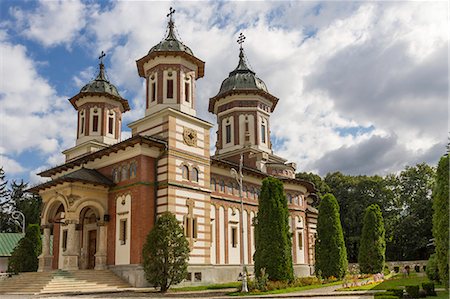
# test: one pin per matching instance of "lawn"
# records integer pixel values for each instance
(397, 281)
(442, 295)
(229, 285)
(287, 290)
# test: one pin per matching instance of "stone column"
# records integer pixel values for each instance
(100, 255)
(70, 256)
(45, 259)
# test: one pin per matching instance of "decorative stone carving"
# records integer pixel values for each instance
(190, 136)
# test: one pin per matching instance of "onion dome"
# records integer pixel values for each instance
(242, 78)
(171, 42)
(100, 86)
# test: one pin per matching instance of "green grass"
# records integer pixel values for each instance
(287, 290)
(229, 285)
(441, 295)
(397, 281)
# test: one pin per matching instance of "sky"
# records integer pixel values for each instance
(362, 86)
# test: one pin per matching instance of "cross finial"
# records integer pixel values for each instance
(241, 39)
(101, 57)
(171, 12)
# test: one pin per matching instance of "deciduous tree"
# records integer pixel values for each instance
(24, 258)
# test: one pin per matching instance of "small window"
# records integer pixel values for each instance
(230, 188)
(124, 173)
(296, 199)
(228, 133)
(95, 123)
(133, 170)
(170, 89)
(153, 92)
(252, 192)
(110, 124)
(300, 240)
(185, 172)
(222, 186)
(198, 276)
(213, 185)
(263, 133)
(195, 174)
(289, 198)
(64, 240)
(116, 175)
(194, 228)
(234, 237)
(187, 93)
(82, 125)
(123, 231)
(190, 227)
(244, 191)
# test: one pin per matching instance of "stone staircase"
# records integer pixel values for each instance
(60, 281)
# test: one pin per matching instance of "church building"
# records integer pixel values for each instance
(99, 206)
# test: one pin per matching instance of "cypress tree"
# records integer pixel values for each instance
(273, 246)
(165, 253)
(373, 244)
(24, 258)
(440, 219)
(331, 254)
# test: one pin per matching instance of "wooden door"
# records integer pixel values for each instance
(92, 247)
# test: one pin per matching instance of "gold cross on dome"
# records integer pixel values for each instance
(171, 12)
(101, 57)
(241, 39)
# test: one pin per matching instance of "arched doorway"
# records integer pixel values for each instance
(89, 237)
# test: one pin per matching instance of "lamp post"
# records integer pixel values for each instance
(238, 176)
(16, 215)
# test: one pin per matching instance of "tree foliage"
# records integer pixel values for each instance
(273, 244)
(24, 258)
(441, 218)
(321, 186)
(331, 254)
(165, 253)
(373, 245)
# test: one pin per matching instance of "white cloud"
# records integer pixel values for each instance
(10, 166)
(53, 22)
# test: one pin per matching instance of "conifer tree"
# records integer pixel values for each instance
(440, 219)
(24, 258)
(373, 244)
(165, 253)
(273, 244)
(331, 254)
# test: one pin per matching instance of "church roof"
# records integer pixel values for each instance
(100, 86)
(8, 241)
(171, 42)
(83, 175)
(137, 139)
(242, 80)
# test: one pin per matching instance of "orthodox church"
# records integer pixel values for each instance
(102, 202)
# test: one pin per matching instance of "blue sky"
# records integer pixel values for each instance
(363, 87)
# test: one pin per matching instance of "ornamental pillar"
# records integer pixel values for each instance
(70, 256)
(45, 259)
(100, 255)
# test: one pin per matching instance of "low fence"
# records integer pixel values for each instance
(400, 264)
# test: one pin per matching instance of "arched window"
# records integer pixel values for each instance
(230, 188)
(289, 198)
(124, 173)
(115, 175)
(296, 199)
(195, 174)
(213, 185)
(185, 172)
(252, 192)
(133, 169)
(222, 186)
(244, 191)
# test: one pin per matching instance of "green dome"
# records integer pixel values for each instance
(100, 84)
(171, 43)
(242, 78)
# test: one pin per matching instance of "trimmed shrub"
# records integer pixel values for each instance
(396, 292)
(165, 253)
(331, 253)
(386, 270)
(441, 219)
(413, 291)
(432, 268)
(396, 269)
(373, 245)
(428, 287)
(424, 267)
(387, 293)
(417, 268)
(422, 294)
(306, 281)
(387, 297)
(24, 258)
(273, 244)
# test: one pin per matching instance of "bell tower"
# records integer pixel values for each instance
(100, 107)
(170, 70)
(243, 107)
